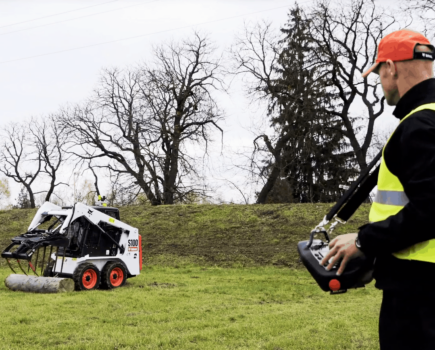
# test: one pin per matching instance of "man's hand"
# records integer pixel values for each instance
(342, 247)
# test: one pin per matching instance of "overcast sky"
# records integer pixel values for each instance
(53, 52)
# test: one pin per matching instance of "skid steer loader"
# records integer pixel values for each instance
(88, 244)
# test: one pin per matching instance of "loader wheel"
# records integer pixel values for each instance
(114, 275)
(86, 277)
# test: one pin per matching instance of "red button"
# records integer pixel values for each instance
(334, 285)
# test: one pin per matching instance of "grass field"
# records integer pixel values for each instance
(214, 277)
(195, 307)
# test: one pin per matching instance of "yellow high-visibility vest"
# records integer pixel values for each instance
(391, 198)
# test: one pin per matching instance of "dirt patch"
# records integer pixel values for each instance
(162, 285)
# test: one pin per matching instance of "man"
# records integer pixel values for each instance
(401, 233)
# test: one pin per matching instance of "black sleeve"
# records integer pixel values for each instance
(410, 155)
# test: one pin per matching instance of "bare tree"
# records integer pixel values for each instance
(49, 138)
(123, 193)
(142, 120)
(423, 5)
(255, 54)
(97, 188)
(20, 158)
(347, 35)
(424, 10)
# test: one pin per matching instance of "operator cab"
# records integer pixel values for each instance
(87, 238)
(113, 212)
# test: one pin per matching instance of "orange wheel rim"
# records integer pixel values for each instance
(89, 279)
(116, 277)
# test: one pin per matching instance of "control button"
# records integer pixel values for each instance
(334, 285)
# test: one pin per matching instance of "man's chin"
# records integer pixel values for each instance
(391, 101)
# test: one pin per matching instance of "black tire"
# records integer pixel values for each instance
(114, 275)
(86, 277)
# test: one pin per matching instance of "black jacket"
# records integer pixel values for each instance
(409, 155)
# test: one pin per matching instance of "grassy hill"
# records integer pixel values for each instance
(212, 235)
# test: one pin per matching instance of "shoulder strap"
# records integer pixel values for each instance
(359, 196)
(357, 193)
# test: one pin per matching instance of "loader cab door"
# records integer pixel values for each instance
(78, 233)
(97, 243)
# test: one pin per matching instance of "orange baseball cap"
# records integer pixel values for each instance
(400, 46)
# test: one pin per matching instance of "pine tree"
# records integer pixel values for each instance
(23, 201)
(314, 160)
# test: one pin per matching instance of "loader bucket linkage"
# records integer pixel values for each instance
(19, 256)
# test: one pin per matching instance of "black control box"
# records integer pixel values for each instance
(357, 274)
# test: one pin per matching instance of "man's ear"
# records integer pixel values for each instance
(391, 68)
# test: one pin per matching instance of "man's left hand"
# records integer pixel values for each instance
(342, 247)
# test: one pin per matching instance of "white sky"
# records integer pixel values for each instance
(35, 80)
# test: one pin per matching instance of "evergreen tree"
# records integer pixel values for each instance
(313, 159)
(23, 201)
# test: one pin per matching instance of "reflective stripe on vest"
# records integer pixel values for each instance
(391, 198)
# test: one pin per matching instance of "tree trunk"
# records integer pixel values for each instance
(147, 190)
(31, 196)
(269, 185)
(51, 189)
(37, 284)
(169, 189)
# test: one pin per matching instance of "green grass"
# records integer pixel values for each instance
(195, 308)
(214, 277)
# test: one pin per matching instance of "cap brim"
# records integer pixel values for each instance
(370, 70)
